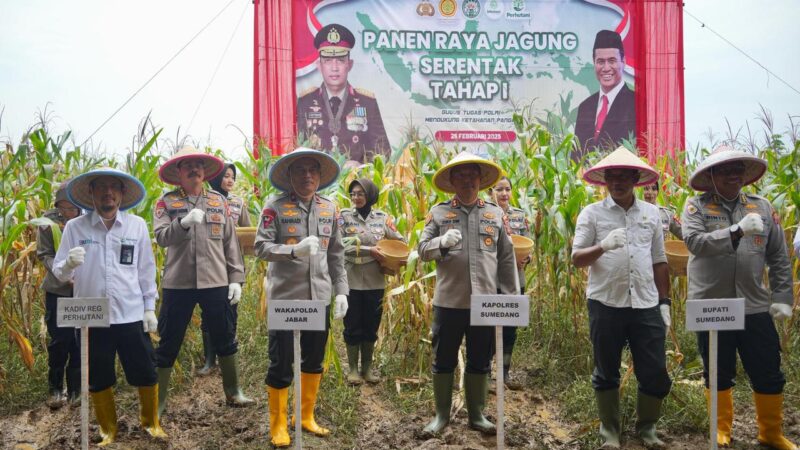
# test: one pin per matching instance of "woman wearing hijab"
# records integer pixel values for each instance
(223, 183)
(363, 227)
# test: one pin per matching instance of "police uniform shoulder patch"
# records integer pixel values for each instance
(691, 209)
(267, 216)
(161, 206)
(365, 92)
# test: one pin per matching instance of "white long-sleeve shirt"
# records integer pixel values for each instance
(119, 264)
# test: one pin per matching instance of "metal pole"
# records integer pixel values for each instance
(84, 388)
(298, 427)
(500, 388)
(712, 386)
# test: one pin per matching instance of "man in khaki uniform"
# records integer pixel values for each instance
(733, 237)
(467, 238)
(203, 265)
(62, 350)
(669, 221)
(298, 233)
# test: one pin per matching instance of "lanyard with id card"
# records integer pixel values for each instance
(126, 254)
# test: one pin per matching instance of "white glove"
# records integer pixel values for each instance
(194, 217)
(339, 306)
(75, 257)
(234, 293)
(615, 239)
(150, 323)
(780, 311)
(306, 247)
(450, 238)
(665, 315)
(751, 224)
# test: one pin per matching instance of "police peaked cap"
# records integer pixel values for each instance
(608, 39)
(334, 40)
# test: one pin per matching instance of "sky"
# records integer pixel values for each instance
(81, 63)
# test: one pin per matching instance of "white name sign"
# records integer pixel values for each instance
(715, 314)
(308, 315)
(77, 312)
(499, 310)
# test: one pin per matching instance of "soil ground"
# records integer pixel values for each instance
(197, 418)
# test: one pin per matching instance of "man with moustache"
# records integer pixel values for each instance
(620, 239)
(467, 238)
(608, 116)
(733, 237)
(107, 253)
(299, 235)
(203, 266)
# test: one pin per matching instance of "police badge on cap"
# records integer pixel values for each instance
(334, 40)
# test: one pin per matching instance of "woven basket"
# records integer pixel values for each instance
(677, 257)
(395, 252)
(522, 246)
(247, 239)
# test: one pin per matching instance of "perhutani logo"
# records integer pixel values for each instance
(518, 10)
(471, 8)
(494, 9)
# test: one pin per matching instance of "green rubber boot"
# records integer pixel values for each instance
(353, 377)
(443, 399)
(230, 382)
(648, 411)
(608, 409)
(210, 356)
(367, 349)
(163, 387)
(475, 391)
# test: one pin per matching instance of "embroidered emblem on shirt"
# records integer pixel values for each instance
(161, 206)
(267, 216)
(450, 215)
(325, 214)
(216, 230)
(488, 241)
(291, 241)
(691, 209)
(291, 229)
(178, 205)
(214, 203)
(291, 213)
(488, 215)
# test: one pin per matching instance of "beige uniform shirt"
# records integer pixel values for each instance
(669, 223)
(207, 255)
(717, 269)
(363, 272)
(238, 210)
(518, 225)
(45, 252)
(285, 221)
(481, 263)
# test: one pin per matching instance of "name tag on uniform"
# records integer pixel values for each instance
(126, 255)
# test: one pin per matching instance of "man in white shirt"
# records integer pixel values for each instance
(620, 239)
(108, 253)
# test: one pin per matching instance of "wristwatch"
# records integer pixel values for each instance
(665, 301)
(736, 230)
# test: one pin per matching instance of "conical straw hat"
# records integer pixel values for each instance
(490, 172)
(279, 172)
(79, 190)
(212, 165)
(754, 167)
(621, 158)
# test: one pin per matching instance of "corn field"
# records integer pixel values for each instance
(546, 184)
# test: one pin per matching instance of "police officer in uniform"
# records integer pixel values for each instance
(468, 240)
(237, 207)
(62, 350)
(335, 116)
(516, 224)
(733, 237)
(203, 265)
(298, 234)
(669, 220)
(363, 227)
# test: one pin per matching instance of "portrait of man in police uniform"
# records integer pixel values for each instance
(335, 116)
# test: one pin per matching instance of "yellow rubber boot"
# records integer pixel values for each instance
(724, 415)
(148, 411)
(309, 386)
(769, 415)
(278, 402)
(106, 411)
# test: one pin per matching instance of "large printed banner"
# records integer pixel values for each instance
(367, 71)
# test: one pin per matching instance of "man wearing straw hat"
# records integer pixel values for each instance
(203, 265)
(62, 350)
(474, 255)
(107, 253)
(620, 239)
(299, 234)
(733, 236)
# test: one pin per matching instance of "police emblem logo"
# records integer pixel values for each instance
(333, 36)
(326, 229)
(691, 209)
(291, 241)
(425, 9)
(488, 241)
(291, 229)
(215, 218)
(216, 230)
(291, 213)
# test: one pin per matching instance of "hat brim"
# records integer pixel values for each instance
(597, 175)
(490, 174)
(332, 51)
(754, 169)
(79, 189)
(169, 172)
(279, 172)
